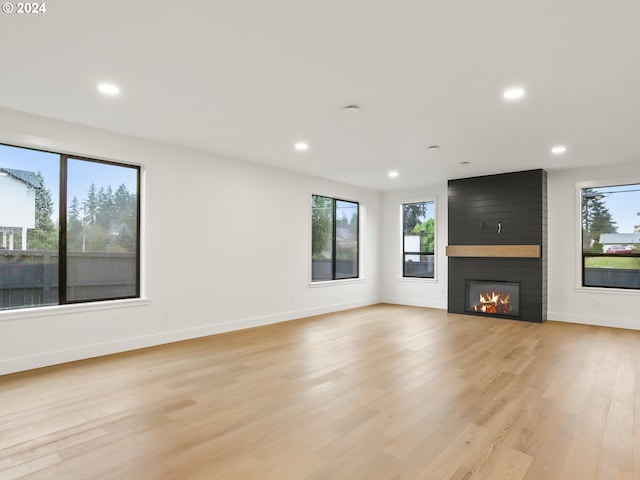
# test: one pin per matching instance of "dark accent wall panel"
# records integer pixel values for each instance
(544, 244)
(516, 204)
(476, 205)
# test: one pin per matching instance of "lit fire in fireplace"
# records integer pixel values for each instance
(493, 303)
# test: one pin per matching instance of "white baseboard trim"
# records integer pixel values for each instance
(417, 302)
(46, 359)
(600, 321)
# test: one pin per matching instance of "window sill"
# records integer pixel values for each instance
(418, 279)
(609, 291)
(344, 281)
(54, 310)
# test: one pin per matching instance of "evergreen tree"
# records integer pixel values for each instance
(108, 221)
(45, 235)
(596, 220)
(95, 232)
(104, 207)
(125, 218)
(90, 205)
(123, 207)
(74, 226)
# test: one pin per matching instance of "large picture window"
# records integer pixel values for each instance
(70, 229)
(335, 238)
(610, 223)
(418, 239)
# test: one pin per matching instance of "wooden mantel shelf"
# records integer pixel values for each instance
(510, 251)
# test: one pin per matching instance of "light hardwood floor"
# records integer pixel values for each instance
(382, 392)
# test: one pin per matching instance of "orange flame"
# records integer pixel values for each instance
(493, 303)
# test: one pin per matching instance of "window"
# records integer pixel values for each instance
(418, 239)
(335, 238)
(611, 236)
(70, 229)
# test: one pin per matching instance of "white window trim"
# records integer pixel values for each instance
(68, 309)
(338, 281)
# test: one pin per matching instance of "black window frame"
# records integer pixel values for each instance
(334, 276)
(62, 276)
(586, 255)
(62, 229)
(406, 252)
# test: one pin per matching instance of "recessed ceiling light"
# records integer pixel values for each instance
(108, 89)
(514, 93)
(558, 150)
(352, 109)
(393, 174)
(301, 146)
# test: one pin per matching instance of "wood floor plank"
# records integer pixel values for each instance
(383, 392)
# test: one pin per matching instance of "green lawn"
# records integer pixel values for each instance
(613, 262)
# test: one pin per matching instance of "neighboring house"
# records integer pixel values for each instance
(628, 240)
(347, 239)
(17, 204)
(412, 243)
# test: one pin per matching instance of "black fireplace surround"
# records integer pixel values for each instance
(499, 210)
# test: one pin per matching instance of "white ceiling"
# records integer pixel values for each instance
(249, 78)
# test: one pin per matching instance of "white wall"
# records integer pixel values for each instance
(226, 246)
(413, 291)
(566, 300)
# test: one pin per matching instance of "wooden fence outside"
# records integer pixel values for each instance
(30, 278)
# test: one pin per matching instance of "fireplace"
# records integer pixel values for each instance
(494, 298)
(497, 230)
